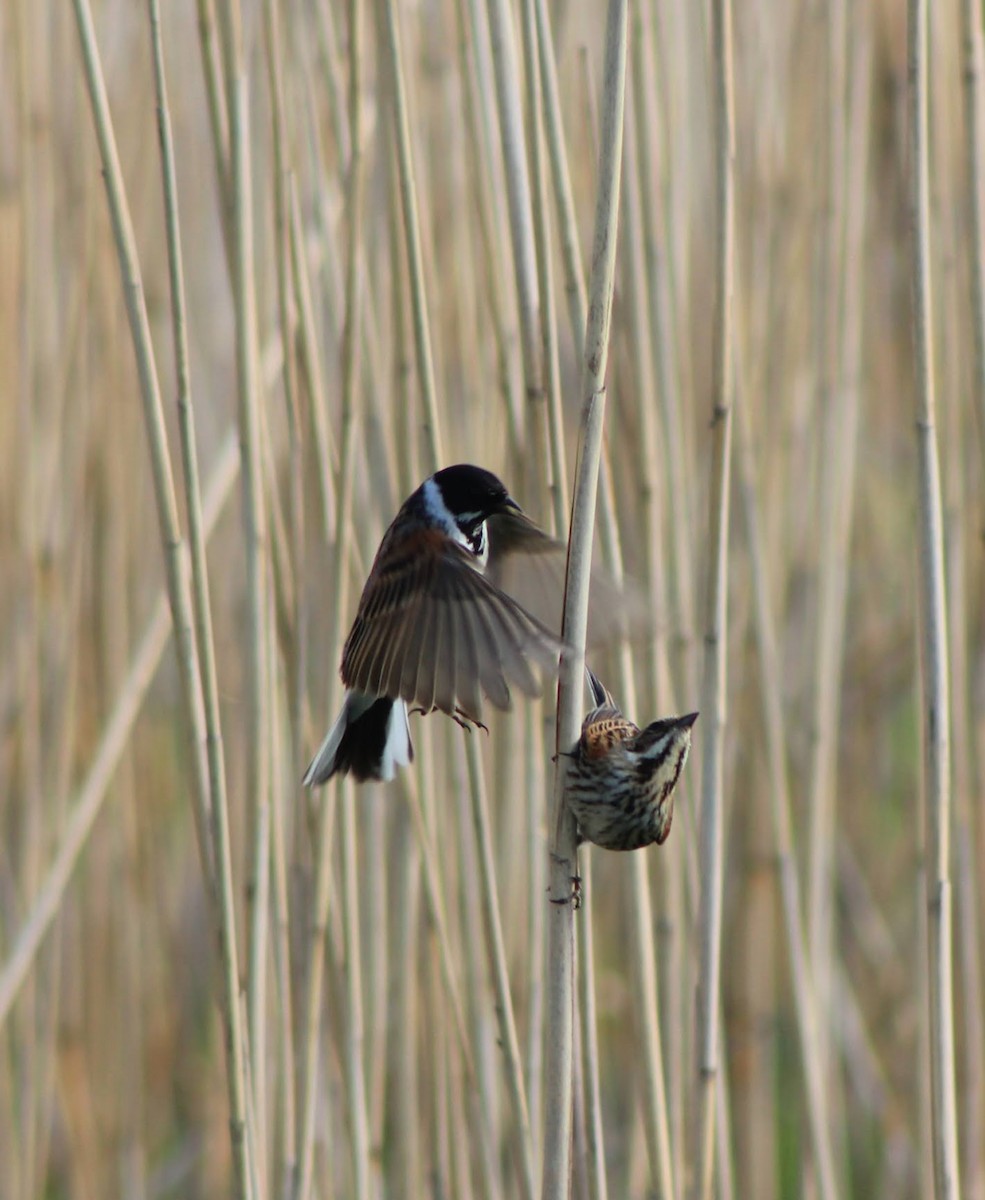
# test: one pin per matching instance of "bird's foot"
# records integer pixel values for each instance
(467, 722)
(574, 896)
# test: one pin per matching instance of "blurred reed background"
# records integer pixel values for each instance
(376, 259)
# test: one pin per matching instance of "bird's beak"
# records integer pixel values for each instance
(509, 503)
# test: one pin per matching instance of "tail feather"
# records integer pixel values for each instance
(369, 740)
(600, 693)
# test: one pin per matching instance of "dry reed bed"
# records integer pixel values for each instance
(343, 244)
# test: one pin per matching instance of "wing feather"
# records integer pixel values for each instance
(439, 669)
(494, 668)
(510, 649)
(467, 681)
(407, 680)
(432, 630)
(413, 679)
(530, 566)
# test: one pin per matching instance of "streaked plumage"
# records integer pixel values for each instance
(432, 630)
(621, 779)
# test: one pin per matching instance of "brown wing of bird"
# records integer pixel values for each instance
(530, 566)
(433, 631)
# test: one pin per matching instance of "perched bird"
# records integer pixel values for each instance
(621, 779)
(432, 629)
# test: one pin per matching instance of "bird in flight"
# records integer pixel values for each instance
(433, 629)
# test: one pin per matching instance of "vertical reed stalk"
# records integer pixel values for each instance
(550, 431)
(390, 37)
(285, 1120)
(310, 370)
(974, 128)
(933, 620)
(971, 1102)
(570, 254)
(254, 529)
(835, 483)
(712, 847)
(497, 966)
(800, 963)
(351, 399)
(508, 94)
(83, 810)
(355, 1031)
(559, 1058)
(216, 857)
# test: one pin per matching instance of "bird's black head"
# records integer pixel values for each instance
(471, 494)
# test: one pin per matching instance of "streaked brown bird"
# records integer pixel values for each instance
(621, 779)
(433, 628)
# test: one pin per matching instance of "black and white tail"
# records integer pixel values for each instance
(370, 739)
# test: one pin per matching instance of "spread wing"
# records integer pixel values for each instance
(529, 565)
(435, 632)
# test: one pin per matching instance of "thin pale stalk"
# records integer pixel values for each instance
(331, 69)
(212, 74)
(390, 37)
(663, 1154)
(433, 435)
(534, 791)
(480, 106)
(309, 1038)
(46, 1015)
(287, 322)
(957, 382)
(403, 1046)
(550, 459)
(835, 473)
(496, 951)
(936, 760)
(723, 1133)
(753, 1000)
(560, 984)
(656, 1122)
(518, 193)
(217, 857)
(641, 952)
(29, 686)
(186, 425)
(974, 128)
(378, 958)
(201, 606)
(255, 536)
(81, 813)
(483, 1028)
(549, 465)
(966, 888)
(378, 398)
(326, 452)
(285, 1122)
(439, 920)
(351, 340)
(355, 1074)
(131, 1019)
(440, 1172)
(662, 314)
(588, 1103)
(153, 418)
(574, 276)
(712, 837)
(779, 793)
(925, 1101)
